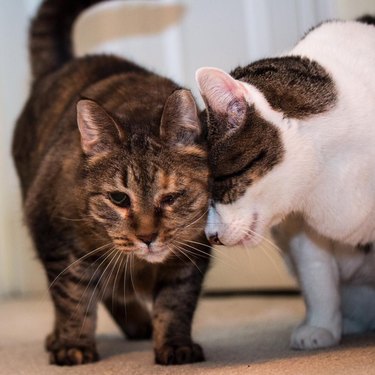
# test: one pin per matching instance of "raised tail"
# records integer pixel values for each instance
(50, 41)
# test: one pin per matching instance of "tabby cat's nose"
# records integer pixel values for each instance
(147, 238)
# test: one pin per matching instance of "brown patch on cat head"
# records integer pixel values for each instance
(243, 146)
(294, 85)
(240, 158)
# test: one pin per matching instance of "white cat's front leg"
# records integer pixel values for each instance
(319, 281)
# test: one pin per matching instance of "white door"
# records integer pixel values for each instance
(172, 38)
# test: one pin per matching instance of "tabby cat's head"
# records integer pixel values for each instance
(148, 191)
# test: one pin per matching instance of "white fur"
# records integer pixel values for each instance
(337, 281)
(328, 175)
(328, 171)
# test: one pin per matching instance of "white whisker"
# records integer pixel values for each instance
(131, 275)
(200, 217)
(119, 268)
(201, 253)
(78, 260)
(249, 231)
(182, 251)
(199, 243)
(176, 253)
(105, 285)
(126, 267)
(264, 250)
(114, 250)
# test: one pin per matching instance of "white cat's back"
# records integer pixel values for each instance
(343, 204)
(341, 45)
(346, 50)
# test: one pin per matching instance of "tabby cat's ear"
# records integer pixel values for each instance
(180, 123)
(223, 95)
(98, 129)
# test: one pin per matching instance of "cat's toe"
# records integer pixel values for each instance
(64, 354)
(73, 356)
(177, 354)
(307, 337)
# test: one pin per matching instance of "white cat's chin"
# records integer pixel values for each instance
(254, 236)
(251, 240)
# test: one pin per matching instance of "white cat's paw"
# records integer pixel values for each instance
(307, 337)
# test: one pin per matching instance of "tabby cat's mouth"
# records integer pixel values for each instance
(152, 255)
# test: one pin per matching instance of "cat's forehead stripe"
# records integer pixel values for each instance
(125, 177)
(168, 182)
(194, 151)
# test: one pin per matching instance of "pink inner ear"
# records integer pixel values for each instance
(86, 124)
(218, 88)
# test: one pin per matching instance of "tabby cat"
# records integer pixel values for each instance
(114, 179)
(296, 133)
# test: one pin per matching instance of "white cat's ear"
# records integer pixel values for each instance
(98, 129)
(222, 94)
(180, 123)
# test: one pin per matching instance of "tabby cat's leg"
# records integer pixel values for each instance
(319, 281)
(132, 317)
(175, 300)
(72, 341)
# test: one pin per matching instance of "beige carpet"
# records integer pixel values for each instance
(240, 335)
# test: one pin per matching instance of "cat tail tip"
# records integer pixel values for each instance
(50, 40)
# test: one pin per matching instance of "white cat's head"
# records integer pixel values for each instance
(260, 165)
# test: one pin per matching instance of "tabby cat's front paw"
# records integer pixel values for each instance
(65, 354)
(179, 354)
(307, 337)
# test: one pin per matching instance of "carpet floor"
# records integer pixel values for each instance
(240, 335)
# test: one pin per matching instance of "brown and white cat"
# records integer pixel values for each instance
(114, 180)
(296, 134)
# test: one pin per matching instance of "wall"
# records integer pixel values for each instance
(173, 38)
(16, 257)
(349, 9)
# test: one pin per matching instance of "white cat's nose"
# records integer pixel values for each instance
(212, 227)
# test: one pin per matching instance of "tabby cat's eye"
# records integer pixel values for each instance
(119, 199)
(169, 199)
